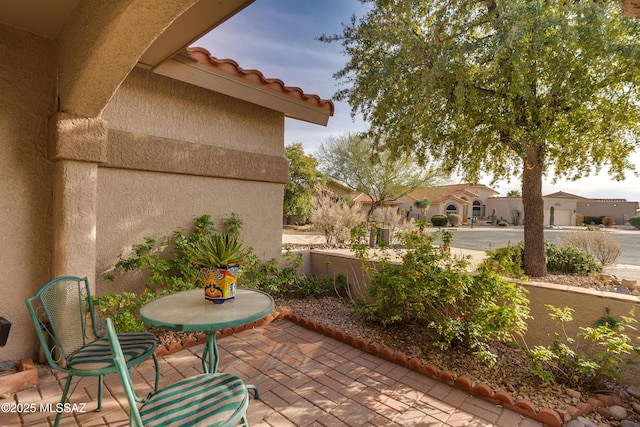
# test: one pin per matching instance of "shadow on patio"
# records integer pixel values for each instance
(304, 379)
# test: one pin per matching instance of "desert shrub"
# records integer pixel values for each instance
(503, 224)
(169, 266)
(602, 245)
(432, 287)
(635, 221)
(595, 354)
(393, 219)
(595, 220)
(509, 260)
(579, 219)
(439, 220)
(608, 221)
(454, 219)
(569, 260)
(335, 218)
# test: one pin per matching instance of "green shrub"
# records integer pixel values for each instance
(635, 221)
(509, 261)
(454, 219)
(595, 354)
(595, 220)
(569, 260)
(433, 287)
(503, 224)
(439, 220)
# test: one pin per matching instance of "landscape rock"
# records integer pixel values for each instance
(575, 423)
(586, 422)
(634, 391)
(618, 412)
(629, 423)
(623, 290)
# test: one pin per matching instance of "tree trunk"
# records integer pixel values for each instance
(535, 261)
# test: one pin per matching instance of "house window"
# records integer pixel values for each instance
(475, 211)
(451, 210)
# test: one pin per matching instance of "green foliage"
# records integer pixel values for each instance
(509, 261)
(596, 353)
(217, 250)
(570, 260)
(635, 221)
(304, 179)
(383, 177)
(503, 224)
(439, 220)
(172, 267)
(454, 219)
(432, 287)
(518, 88)
(593, 220)
(267, 276)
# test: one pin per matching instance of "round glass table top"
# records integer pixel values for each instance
(189, 311)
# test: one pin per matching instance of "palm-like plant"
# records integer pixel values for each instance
(219, 250)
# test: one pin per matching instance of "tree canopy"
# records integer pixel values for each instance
(382, 176)
(513, 88)
(304, 178)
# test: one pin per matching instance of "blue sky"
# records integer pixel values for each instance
(278, 37)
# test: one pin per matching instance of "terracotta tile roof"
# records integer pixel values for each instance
(231, 67)
(443, 192)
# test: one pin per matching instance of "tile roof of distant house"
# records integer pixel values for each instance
(229, 66)
(442, 192)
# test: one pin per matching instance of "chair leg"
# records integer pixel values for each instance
(155, 361)
(63, 400)
(100, 387)
(256, 395)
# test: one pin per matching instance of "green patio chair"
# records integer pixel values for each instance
(215, 399)
(62, 312)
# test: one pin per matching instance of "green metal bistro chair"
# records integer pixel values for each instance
(215, 399)
(62, 312)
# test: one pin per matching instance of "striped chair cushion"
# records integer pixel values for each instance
(202, 400)
(97, 355)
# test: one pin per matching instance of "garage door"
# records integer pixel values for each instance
(561, 217)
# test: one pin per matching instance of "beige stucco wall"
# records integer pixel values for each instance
(147, 187)
(27, 83)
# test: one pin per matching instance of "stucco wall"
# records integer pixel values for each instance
(27, 87)
(149, 191)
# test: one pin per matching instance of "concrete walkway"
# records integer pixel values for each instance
(304, 379)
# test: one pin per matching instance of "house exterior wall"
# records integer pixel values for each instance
(141, 195)
(564, 209)
(620, 211)
(27, 85)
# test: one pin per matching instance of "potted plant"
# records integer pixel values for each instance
(219, 256)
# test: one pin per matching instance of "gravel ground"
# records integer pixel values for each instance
(511, 371)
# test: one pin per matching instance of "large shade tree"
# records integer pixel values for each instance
(384, 177)
(304, 180)
(513, 88)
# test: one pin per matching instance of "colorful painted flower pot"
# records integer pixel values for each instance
(220, 284)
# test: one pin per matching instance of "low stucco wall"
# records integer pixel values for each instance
(589, 305)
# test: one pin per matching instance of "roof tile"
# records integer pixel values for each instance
(229, 66)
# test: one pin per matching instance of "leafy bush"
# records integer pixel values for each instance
(170, 267)
(439, 220)
(433, 287)
(569, 260)
(454, 219)
(635, 221)
(509, 261)
(596, 353)
(503, 224)
(593, 220)
(608, 221)
(601, 245)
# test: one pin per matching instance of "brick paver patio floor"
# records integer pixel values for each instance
(304, 379)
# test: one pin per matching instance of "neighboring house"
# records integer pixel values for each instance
(465, 199)
(113, 130)
(620, 209)
(509, 208)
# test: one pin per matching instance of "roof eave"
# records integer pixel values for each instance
(185, 68)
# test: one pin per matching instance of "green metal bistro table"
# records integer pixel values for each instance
(189, 311)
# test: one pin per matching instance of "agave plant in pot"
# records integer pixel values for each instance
(220, 257)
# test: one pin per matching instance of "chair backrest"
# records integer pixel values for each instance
(123, 371)
(62, 313)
